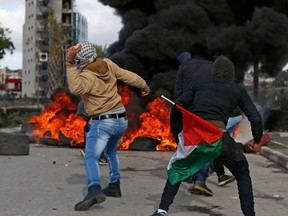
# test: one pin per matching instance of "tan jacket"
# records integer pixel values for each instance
(97, 85)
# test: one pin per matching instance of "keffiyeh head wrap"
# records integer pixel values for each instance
(86, 55)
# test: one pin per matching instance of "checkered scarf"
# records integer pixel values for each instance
(86, 55)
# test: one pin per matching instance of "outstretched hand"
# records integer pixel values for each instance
(72, 52)
(256, 147)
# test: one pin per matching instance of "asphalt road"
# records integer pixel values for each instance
(50, 180)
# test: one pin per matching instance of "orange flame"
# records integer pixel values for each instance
(154, 124)
(126, 93)
(58, 116)
(235, 131)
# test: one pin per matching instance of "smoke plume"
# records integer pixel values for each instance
(155, 32)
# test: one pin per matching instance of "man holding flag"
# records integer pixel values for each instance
(205, 111)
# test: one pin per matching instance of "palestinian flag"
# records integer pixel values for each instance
(199, 143)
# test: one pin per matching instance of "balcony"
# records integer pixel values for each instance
(42, 3)
(66, 11)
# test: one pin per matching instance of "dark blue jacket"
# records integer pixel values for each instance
(217, 98)
(189, 73)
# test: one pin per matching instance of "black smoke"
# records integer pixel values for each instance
(154, 32)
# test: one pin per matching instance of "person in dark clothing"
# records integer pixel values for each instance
(217, 166)
(183, 57)
(214, 100)
(195, 66)
(192, 70)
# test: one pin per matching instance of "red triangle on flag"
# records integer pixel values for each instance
(197, 130)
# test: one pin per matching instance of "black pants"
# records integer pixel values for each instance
(233, 158)
(218, 167)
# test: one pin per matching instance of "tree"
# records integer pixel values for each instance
(267, 36)
(60, 39)
(101, 51)
(5, 42)
(2, 86)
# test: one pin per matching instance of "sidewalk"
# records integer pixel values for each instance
(277, 149)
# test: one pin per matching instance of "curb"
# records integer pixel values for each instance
(275, 156)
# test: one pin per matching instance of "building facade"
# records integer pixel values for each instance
(10, 83)
(38, 76)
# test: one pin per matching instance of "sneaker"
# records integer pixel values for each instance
(159, 214)
(103, 161)
(201, 189)
(225, 179)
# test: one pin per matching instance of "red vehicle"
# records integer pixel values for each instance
(13, 86)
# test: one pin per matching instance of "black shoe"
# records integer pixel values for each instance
(159, 214)
(113, 189)
(103, 161)
(225, 179)
(95, 195)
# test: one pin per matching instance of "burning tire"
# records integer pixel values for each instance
(27, 129)
(14, 144)
(49, 141)
(142, 143)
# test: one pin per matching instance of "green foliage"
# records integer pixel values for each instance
(2, 86)
(3, 118)
(101, 51)
(16, 117)
(267, 35)
(5, 42)
(60, 39)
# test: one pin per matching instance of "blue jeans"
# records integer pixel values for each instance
(103, 135)
(202, 174)
(80, 111)
(233, 158)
